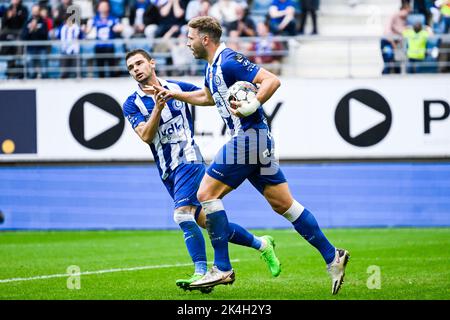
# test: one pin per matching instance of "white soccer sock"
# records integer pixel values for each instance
(263, 243)
(294, 211)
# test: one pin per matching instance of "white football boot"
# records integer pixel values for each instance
(214, 277)
(336, 269)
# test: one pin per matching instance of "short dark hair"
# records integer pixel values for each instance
(207, 25)
(134, 52)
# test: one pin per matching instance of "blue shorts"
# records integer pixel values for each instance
(183, 184)
(249, 155)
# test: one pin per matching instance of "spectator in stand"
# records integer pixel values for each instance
(441, 19)
(36, 30)
(197, 8)
(421, 7)
(14, 18)
(444, 8)
(172, 18)
(416, 45)
(245, 27)
(152, 19)
(13, 22)
(394, 28)
(59, 12)
(47, 20)
(282, 17)
(107, 27)
(311, 7)
(266, 50)
(226, 11)
(69, 34)
(137, 13)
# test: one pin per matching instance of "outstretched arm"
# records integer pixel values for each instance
(200, 97)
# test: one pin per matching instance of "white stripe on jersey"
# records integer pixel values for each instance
(188, 150)
(158, 146)
(141, 106)
(190, 153)
(222, 90)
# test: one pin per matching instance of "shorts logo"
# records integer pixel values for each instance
(217, 172)
(181, 200)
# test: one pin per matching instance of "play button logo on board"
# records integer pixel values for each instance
(96, 121)
(363, 118)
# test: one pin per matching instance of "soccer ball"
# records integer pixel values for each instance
(242, 91)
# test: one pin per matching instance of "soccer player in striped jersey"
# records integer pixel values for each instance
(250, 139)
(168, 129)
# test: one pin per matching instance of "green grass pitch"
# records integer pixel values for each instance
(413, 264)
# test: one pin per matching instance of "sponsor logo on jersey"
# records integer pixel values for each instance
(172, 131)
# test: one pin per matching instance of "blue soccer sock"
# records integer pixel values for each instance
(195, 244)
(241, 236)
(306, 225)
(218, 230)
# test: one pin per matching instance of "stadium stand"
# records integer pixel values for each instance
(348, 44)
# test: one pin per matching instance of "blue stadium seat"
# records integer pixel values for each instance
(3, 68)
(414, 18)
(117, 8)
(54, 62)
(259, 10)
(139, 45)
(432, 44)
(87, 49)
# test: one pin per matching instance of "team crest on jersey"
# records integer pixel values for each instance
(217, 80)
(177, 105)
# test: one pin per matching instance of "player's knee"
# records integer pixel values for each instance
(204, 195)
(280, 207)
(182, 215)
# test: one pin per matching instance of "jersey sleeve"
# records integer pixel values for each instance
(186, 86)
(132, 113)
(239, 68)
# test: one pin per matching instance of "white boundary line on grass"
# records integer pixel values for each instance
(62, 275)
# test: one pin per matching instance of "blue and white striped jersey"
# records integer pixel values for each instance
(227, 68)
(174, 142)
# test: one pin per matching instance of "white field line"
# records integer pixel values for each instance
(86, 273)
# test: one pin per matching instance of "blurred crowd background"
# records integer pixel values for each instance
(89, 38)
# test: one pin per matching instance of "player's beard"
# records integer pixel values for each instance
(200, 53)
